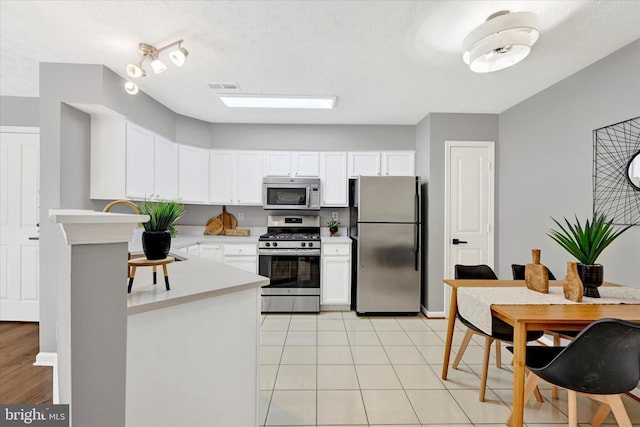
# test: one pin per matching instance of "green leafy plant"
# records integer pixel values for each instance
(586, 242)
(333, 223)
(162, 214)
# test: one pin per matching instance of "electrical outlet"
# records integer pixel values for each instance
(241, 216)
(334, 215)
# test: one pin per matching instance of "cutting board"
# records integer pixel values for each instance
(536, 275)
(214, 226)
(229, 221)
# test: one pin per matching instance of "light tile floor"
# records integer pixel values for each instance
(338, 369)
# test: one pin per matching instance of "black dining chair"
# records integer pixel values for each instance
(602, 362)
(500, 330)
(518, 274)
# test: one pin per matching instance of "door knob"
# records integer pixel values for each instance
(459, 242)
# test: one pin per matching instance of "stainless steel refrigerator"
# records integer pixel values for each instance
(385, 223)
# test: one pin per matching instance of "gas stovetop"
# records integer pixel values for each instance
(291, 231)
(274, 235)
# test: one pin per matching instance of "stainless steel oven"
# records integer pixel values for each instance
(289, 255)
(291, 193)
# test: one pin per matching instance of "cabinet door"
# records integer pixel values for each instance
(277, 163)
(305, 164)
(398, 163)
(333, 179)
(246, 263)
(364, 163)
(108, 157)
(193, 174)
(166, 169)
(140, 162)
(222, 177)
(249, 178)
(336, 289)
(212, 251)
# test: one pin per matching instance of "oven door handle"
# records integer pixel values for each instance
(289, 252)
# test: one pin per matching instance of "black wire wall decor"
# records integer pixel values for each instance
(616, 171)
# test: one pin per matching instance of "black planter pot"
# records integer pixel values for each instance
(592, 277)
(156, 244)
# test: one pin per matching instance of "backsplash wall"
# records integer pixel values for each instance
(254, 216)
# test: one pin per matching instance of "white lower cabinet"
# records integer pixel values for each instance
(336, 274)
(241, 255)
(212, 251)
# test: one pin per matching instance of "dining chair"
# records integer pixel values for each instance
(602, 363)
(500, 330)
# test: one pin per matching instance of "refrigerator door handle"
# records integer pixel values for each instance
(417, 228)
(416, 248)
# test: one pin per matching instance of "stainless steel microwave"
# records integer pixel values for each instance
(291, 193)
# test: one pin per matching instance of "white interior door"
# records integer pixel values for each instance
(469, 210)
(19, 203)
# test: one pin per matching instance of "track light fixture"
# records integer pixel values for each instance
(178, 56)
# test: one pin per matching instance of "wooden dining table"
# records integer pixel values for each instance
(525, 317)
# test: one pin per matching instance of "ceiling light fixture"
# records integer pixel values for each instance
(151, 53)
(278, 101)
(131, 88)
(502, 41)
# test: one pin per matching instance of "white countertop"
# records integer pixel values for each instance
(191, 279)
(194, 278)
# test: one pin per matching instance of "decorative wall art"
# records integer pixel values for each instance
(616, 171)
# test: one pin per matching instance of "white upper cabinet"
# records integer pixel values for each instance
(333, 179)
(249, 178)
(108, 157)
(277, 163)
(166, 169)
(374, 163)
(222, 177)
(140, 162)
(125, 158)
(235, 177)
(305, 164)
(193, 174)
(365, 163)
(398, 163)
(299, 164)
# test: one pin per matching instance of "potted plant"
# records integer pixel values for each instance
(156, 237)
(333, 226)
(586, 243)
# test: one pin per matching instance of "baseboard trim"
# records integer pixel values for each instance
(50, 359)
(432, 314)
(46, 359)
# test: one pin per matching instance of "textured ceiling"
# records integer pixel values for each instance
(388, 62)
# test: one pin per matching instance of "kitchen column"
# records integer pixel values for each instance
(92, 315)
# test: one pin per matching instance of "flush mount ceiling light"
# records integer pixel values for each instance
(178, 56)
(502, 41)
(278, 101)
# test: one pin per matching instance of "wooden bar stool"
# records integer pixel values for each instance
(143, 262)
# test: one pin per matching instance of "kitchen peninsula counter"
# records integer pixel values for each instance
(192, 278)
(193, 351)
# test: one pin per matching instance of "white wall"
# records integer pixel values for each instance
(545, 159)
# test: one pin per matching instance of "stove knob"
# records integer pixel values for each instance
(310, 244)
(275, 244)
(303, 244)
(267, 244)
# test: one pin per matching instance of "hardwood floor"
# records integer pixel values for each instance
(20, 381)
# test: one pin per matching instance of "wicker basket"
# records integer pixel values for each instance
(236, 232)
